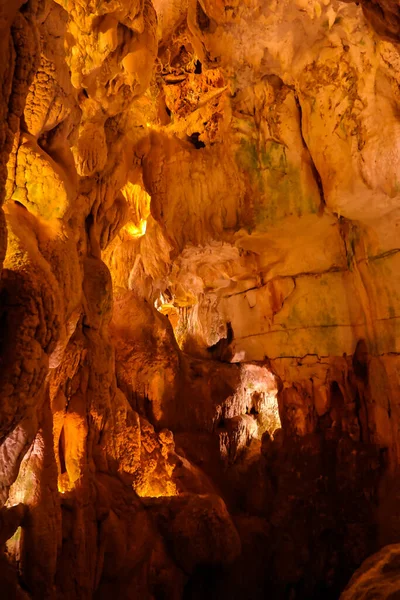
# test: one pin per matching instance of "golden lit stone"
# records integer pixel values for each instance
(199, 299)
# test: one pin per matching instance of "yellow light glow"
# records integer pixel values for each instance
(157, 489)
(139, 204)
(63, 483)
(136, 231)
(13, 543)
(167, 308)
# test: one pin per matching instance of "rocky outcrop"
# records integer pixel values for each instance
(378, 576)
(384, 17)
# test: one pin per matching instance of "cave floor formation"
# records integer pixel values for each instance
(199, 299)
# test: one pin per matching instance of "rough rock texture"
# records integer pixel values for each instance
(378, 577)
(199, 297)
(384, 17)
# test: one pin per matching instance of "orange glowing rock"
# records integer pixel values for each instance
(200, 296)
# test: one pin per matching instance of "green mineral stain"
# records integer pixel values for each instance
(396, 188)
(275, 181)
(247, 155)
(17, 535)
(327, 317)
(352, 242)
(294, 318)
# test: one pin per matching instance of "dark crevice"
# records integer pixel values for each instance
(360, 416)
(360, 361)
(218, 350)
(89, 222)
(195, 140)
(171, 79)
(337, 404)
(61, 452)
(202, 19)
(18, 203)
(314, 169)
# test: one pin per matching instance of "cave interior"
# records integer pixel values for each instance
(199, 299)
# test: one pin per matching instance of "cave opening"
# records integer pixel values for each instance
(198, 68)
(193, 138)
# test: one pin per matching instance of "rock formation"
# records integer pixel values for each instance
(378, 577)
(199, 299)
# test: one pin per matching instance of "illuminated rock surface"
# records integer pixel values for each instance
(199, 298)
(378, 577)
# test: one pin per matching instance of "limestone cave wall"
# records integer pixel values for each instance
(199, 298)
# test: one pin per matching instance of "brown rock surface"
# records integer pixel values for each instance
(378, 577)
(199, 298)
